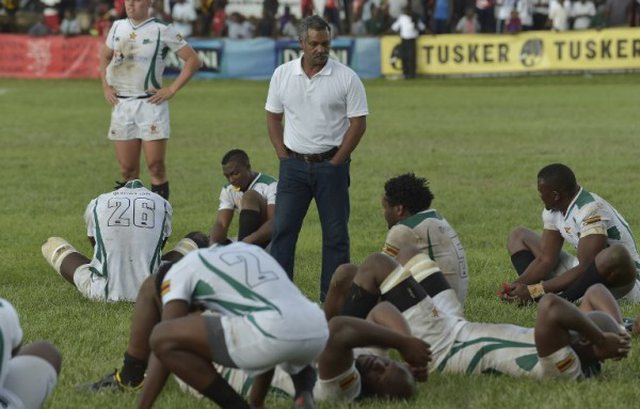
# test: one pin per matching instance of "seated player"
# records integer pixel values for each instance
(567, 341)
(28, 373)
(407, 210)
(605, 247)
(127, 228)
(253, 194)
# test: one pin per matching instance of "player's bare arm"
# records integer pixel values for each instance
(157, 373)
(357, 127)
(588, 249)
(546, 258)
(276, 134)
(220, 228)
(110, 94)
(192, 64)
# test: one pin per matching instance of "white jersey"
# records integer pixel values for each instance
(139, 52)
(10, 335)
(243, 280)
(129, 226)
(264, 185)
(435, 237)
(590, 214)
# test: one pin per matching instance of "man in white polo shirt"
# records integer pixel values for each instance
(325, 106)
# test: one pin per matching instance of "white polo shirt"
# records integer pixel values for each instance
(316, 109)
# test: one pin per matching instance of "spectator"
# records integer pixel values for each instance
(51, 15)
(11, 8)
(582, 11)
(558, 15)
(219, 18)
(514, 24)
(468, 24)
(616, 12)
(503, 13)
(486, 16)
(540, 14)
(442, 12)
(239, 27)
(102, 23)
(205, 17)
(376, 25)
(39, 29)
(332, 16)
(183, 15)
(409, 28)
(290, 28)
(307, 8)
(267, 26)
(525, 11)
(70, 25)
(285, 18)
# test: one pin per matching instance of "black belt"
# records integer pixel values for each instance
(138, 97)
(313, 157)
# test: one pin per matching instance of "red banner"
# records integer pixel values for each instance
(23, 56)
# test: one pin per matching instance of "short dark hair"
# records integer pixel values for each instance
(314, 22)
(558, 177)
(237, 155)
(409, 191)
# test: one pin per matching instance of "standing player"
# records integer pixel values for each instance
(253, 194)
(263, 321)
(128, 228)
(28, 373)
(131, 67)
(606, 249)
(407, 210)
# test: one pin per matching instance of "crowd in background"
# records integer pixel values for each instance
(209, 18)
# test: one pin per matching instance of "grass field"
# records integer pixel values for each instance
(479, 141)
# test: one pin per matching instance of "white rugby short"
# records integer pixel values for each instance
(30, 380)
(255, 352)
(133, 118)
(91, 286)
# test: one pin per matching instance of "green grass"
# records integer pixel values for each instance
(479, 141)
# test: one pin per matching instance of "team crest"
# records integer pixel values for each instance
(435, 313)
(179, 37)
(592, 219)
(153, 129)
(133, 35)
(567, 229)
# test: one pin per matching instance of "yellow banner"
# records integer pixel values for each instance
(532, 51)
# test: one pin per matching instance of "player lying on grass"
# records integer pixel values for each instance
(253, 194)
(127, 229)
(606, 249)
(567, 341)
(28, 373)
(341, 375)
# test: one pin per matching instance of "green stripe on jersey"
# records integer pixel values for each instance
(151, 74)
(495, 344)
(266, 179)
(416, 219)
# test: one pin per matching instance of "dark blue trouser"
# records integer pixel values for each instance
(300, 182)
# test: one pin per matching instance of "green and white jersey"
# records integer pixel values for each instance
(434, 236)
(590, 214)
(10, 336)
(243, 280)
(265, 185)
(129, 226)
(138, 54)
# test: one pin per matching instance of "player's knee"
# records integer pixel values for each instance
(157, 169)
(548, 307)
(44, 350)
(343, 275)
(160, 341)
(517, 237)
(252, 200)
(375, 268)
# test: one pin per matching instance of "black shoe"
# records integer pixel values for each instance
(111, 382)
(628, 324)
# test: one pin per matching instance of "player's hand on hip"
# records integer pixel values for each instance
(158, 96)
(110, 95)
